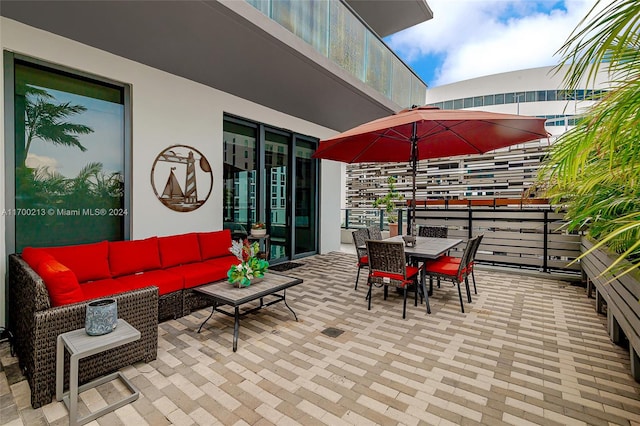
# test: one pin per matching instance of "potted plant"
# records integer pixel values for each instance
(258, 229)
(389, 204)
(251, 267)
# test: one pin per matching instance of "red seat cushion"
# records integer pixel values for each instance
(214, 244)
(33, 256)
(89, 262)
(445, 267)
(179, 250)
(102, 288)
(412, 271)
(62, 284)
(166, 281)
(129, 257)
(363, 261)
(206, 272)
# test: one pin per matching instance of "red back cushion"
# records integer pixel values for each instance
(214, 244)
(179, 249)
(129, 257)
(61, 283)
(89, 262)
(33, 256)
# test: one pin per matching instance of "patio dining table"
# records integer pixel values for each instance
(426, 248)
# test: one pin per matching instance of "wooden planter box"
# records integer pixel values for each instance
(621, 296)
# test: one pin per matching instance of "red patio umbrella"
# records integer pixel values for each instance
(425, 132)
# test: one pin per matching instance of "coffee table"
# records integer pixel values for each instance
(224, 293)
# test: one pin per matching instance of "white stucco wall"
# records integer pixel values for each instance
(168, 110)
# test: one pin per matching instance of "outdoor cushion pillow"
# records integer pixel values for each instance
(179, 249)
(129, 257)
(33, 256)
(61, 283)
(166, 281)
(214, 244)
(90, 262)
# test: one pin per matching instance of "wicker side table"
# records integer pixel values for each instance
(81, 345)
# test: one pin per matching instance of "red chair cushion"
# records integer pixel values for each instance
(179, 250)
(214, 244)
(206, 272)
(62, 284)
(412, 271)
(363, 261)
(129, 257)
(33, 256)
(102, 288)
(166, 281)
(444, 267)
(89, 262)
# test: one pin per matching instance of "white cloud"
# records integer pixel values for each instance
(477, 38)
(35, 161)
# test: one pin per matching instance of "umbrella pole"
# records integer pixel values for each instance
(414, 166)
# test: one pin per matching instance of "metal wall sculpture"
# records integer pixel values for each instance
(179, 162)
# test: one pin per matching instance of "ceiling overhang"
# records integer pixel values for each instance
(387, 17)
(227, 45)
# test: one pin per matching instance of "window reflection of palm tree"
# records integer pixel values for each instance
(46, 121)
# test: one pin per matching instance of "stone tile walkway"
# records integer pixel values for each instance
(528, 351)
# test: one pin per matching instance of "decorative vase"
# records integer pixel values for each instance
(393, 229)
(102, 317)
(258, 232)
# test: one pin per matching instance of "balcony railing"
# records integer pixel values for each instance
(528, 236)
(335, 31)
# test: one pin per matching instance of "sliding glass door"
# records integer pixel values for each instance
(269, 176)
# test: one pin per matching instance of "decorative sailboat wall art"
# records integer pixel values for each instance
(177, 164)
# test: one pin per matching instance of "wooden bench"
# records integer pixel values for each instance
(621, 296)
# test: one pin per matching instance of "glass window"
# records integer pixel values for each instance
(499, 99)
(69, 158)
(488, 99)
(509, 98)
(551, 95)
(468, 102)
(239, 176)
(530, 97)
(457, 104)
(477, 101)
(448, 104)
(541, 95)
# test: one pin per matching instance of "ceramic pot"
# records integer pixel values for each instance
(102, 317)
(258, 232)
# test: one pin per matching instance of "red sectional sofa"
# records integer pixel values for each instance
(152, 279)
(174, 263)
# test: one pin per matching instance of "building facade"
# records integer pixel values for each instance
(124, 120)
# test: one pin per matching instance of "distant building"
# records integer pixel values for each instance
(505, 173)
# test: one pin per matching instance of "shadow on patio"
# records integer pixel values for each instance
(528, 351)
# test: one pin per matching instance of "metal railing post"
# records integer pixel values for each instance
(545, 242)
(346, 219)
(400, 220)
(381, 217)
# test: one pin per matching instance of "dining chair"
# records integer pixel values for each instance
(471, 260)
(433, 231)
(388, 267)
(360, 236)
(374, 232)
(455, 269)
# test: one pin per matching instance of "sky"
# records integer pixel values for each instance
(473, 38)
